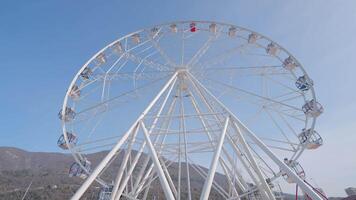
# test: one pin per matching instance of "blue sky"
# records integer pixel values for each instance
(43, 44)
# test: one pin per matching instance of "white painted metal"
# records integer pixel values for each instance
(191, 70)
(214, 163)
(306, 188)
(111, 154)
(164, 183)
(264, 188)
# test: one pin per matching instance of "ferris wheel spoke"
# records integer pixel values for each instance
(290, 115)
(253, 67)
(256, 95)
(223, 56)
(138, 60)
(287, 96)
(284, 85)
(280, 129)
(161, 51)
(203, 49)
(104, 103)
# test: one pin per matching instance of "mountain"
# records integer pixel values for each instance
(48, 173)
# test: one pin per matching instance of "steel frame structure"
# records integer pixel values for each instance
(163, 136)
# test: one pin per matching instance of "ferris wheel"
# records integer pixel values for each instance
(191, 109)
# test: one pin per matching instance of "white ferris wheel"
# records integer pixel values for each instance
(188, 110)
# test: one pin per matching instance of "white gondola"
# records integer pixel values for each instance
(154, 32)
(296, 167)
(269, 182)
(76, 170)
(105, 192)
(173, 28)
(69, 114)
(193, 27)
(310, 138)
(252, 38)
(86, 73)
(72, 140)
(136, 38)
(254, 196)
(312, 108)
(213, 28)
(304, 83)
(272, 49)
(289, 63)
(100, 59)
(74, 92)
(232, 31)
(117, 47)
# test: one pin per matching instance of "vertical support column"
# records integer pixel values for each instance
(209, 180)
(123, 164)
(117, 191)
(117, 146)
(263, 186)
(164, 183)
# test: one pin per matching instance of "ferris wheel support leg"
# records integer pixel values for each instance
(237, 151)
(222, 162)
(310, 192)
(167, 190)
(209, 180)
(286, 169)
(123, 164)
(265, 189)
(117, 146)
(117, 190)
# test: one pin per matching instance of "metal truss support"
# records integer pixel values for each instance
(163, 180)
(286, 169)
(214, 163)
(265, 190)
(117, 146)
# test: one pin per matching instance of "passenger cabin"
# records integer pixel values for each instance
(193, 27)
(304, 83)
(312, 108)
(173, 28)
(136, 38)
(272, 49)
(296, 167)
(72, 140)
(213, 28)
(232, 31)
(289, 63)
(74, 92)
(105, 192)
(117, 47)
(100, 59)
(154, 32)
(86, 73)
(76, 170)
(252, 38)
(310, 138)
(68, 115)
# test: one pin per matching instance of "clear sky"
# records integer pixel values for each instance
(43, 44)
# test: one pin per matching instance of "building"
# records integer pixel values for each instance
(350, 191)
